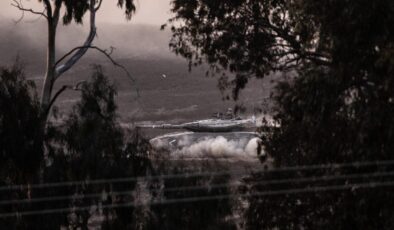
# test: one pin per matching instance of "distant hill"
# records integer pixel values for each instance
(168, 91)
(28, 40)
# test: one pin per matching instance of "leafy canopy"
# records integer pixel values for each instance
(76, 9)
(21, 138)
(339, 107)
(256, 38)
(92, 133)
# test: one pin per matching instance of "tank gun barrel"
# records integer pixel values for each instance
(163, 126)
(210, 125)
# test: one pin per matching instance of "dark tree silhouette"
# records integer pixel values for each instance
(248, 38)
(89, 145)
(21, 137)
(198, 214)
(337, 108)
(97, 148)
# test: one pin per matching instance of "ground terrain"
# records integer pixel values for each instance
(168, 92)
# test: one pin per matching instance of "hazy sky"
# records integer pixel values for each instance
(154, 12)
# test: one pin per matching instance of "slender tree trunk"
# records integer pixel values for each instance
(52, 71)
(50, 74)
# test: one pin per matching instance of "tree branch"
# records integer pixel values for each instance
(48, 8)
(99, 5)
(19, 6)
(60, 91)
(105, 52)
(56, 13)
(38, 18)
(82, 49)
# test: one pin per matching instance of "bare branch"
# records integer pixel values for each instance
(38, 18)
(19, 6)
(99, 5)
(20, 18)
(105, 52)
(76, 87)
(60, 91)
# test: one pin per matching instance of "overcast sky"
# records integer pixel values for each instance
(154, 12)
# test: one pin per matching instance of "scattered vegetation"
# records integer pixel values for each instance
(335, 116)
(87, 147)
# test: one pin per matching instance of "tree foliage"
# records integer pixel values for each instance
(199, 212)
(75, 10)
(88, 145)
(338, 107)
(95, 141)
(247, 38)
(255, 38)
(339, 113)
(320, 124)
(92, 133)
(21, 149)
(21, 138)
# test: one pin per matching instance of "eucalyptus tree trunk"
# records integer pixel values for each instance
(53, 69)
(50, 74)
(56, 68)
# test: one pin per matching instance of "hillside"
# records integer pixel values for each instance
(180, 95)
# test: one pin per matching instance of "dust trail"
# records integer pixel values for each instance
(231, 146)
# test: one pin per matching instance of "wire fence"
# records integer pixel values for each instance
(201, 187)
(201, 174)
(315, 189)
(371, 176)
